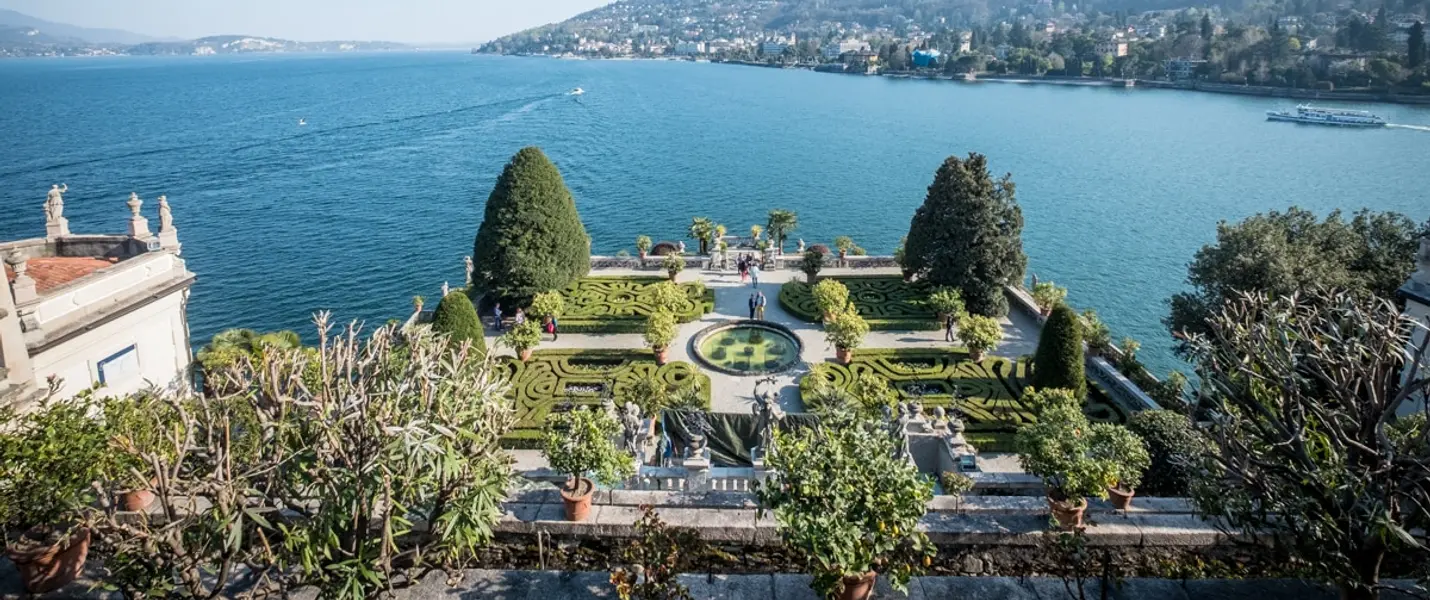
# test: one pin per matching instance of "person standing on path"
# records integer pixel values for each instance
(948, 328)
(754, 275)
(753, 305)
(520, 316)
(551, 327)
(760, 305)
(744, 268)
(496, 314)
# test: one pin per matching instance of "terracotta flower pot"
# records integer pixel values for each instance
(661, 355)
(1119, 498)
(526, 354)
(1068, 514)
(576, 495)
(641, 254)
(672, 274)
(858, 587)
(135, 500)
(844, 355)
(48, 568)
(975, 355)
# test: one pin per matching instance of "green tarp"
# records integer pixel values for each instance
(731, 436)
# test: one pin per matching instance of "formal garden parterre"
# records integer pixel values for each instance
(622, 304)
(887, 302)
(583, 377)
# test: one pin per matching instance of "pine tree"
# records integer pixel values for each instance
(968, 234)
(1207, 30)
(1415, 56)
(1058, 362)
(456, 317)
(531, 239)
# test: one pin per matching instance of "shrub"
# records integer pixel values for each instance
(1049, 295)
(830, 295)
(673, 263)
(811, 264)
(664, 249)
(1095, 332)
(1058, 361)
(955, 483)
(847, 330)
(844, 243)
(579, 443)
(658, 555)
(845, 504)
(643, 243)
(531, 239)
(668, 297)
(1059, 449)
(48, 457)
(979, 333)
(1040, 401)
(872, 393)
(822, 249)
(1174, 447)
(457, 318)
(547, 304)
(660, 330)
(523, 337)
(946, 301)
(1123, 450)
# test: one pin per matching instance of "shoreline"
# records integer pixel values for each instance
(1153, 84)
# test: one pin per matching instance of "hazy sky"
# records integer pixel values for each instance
(311, 20)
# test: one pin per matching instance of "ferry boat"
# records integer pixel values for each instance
(1326, 116)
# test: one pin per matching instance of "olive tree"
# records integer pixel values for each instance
(1310, 455)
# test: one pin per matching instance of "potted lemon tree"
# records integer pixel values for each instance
(830, 296)
(581, 444)
(979, 334)
(673, 264)
(1129, 459)
(1059, 448)
(660, 331)
(946, 303)
(847, 505)
(846, 332)
(1048, 294)
(643, 245)
(523, 339)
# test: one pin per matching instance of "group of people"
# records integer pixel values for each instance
(519, 318)
(749, 267)
(757, 305)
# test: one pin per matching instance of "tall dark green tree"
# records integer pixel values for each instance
(1207, 29)
(531, 239)
(456, 317)
(1281, 253)
(969, 234)
(1415, 55)
(1058, 362)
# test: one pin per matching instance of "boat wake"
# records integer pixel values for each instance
(1415, 127)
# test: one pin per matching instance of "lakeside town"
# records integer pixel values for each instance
(1317, 47)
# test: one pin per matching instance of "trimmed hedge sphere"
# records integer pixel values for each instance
(457, 318)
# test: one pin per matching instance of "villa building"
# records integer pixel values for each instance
(1113, 48)
(834, 50)
(86, 310)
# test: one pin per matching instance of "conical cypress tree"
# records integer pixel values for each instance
(456, 317)
(1058, 363)
(531, 240)
(968, 234)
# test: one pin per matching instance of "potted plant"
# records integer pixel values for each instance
(417, 302)
(547, 306)
(1048, 294)
(979, 334)
(811, 264)
(523, 339)
(701, 229)
(1128, 457)
(846, 332)
(830, 296)
(847, 505)
(955, 483)
(1059, 448)
(660, 330)
(1095, 333)
(755, 231)
(643, 244)
(135, 427)
(844, 244)
(49, 459)
(673, 264)
(946, 303)
(581, 443)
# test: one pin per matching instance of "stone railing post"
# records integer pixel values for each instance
(24, 286)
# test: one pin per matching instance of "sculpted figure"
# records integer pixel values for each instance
(55, 203)
(470, 269)
(166, 218)
(1422, 261)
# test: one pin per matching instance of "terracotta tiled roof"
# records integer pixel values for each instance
(50, 273)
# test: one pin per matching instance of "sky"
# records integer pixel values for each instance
(412, 21)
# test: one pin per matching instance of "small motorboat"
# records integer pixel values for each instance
(302, 122)
(576, 92)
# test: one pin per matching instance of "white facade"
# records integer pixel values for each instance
(689, 48)
(773, 48)
(835, 50)
(147, 346)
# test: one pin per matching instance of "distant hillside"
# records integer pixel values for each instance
(60, 32)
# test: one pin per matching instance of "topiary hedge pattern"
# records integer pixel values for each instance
(990, 389)
(887, 303)
(621, 304)
(553, 377)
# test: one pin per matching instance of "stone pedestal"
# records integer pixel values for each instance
(697, 474)
(169, 240)
(24, 285)
(57, 228)
(138, 225)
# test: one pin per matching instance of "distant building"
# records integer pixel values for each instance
(1002, 51)
(863, 61)
(773, 48)
(834, 50)
(107, 310)
(689, 48)
(926, 58)
(965, 42)
(638, 29)
(1114, 48)
(1183, 69)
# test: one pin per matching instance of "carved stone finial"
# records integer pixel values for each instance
(138, 225)
(24, 286)
(1422, 262)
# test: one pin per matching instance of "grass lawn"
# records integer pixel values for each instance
(885, 301)
(554, 377)
(989, 389)
(621, 304)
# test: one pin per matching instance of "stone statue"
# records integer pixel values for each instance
(55, 203)
(899, 431)
(633, 436)
(767, 413)
(1422, 262)
(446, 289)
(801, 246)
(680, 248)
(470, 269)
(166, 218)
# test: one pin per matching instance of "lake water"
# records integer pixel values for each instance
(379, 196)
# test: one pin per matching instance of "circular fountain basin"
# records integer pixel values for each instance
(747, 348)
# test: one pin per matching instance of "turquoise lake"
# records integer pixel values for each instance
(379, 196)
